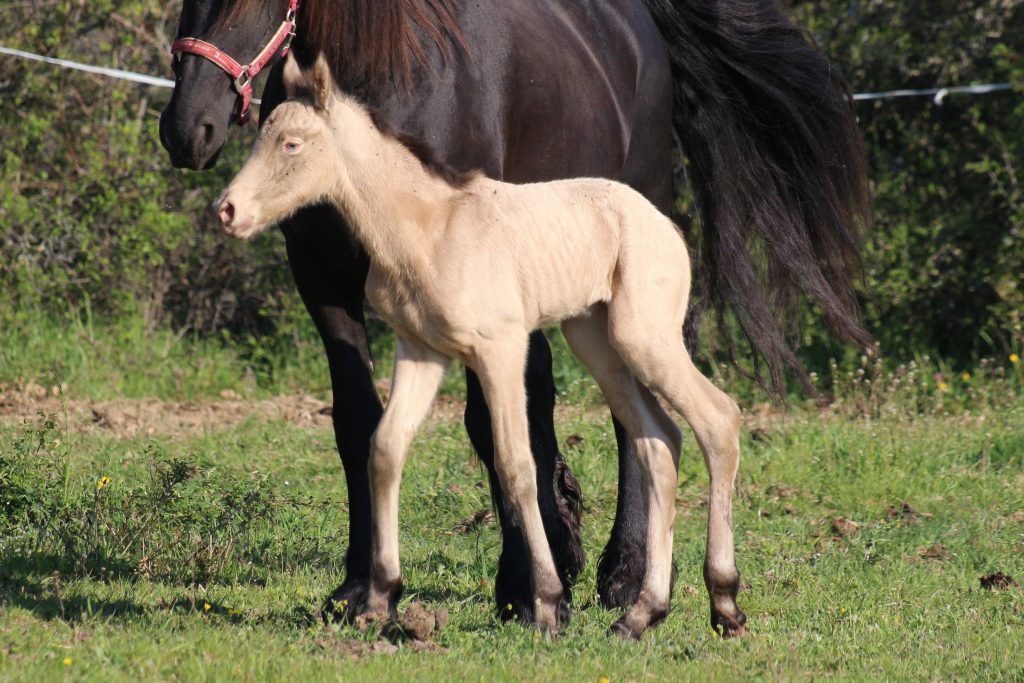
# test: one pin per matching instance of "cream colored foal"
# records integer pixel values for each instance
(467, 269)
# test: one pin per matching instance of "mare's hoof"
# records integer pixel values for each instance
(347, 602)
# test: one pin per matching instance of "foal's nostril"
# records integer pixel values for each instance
(226, 213)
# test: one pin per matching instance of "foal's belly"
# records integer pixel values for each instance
(490, 301)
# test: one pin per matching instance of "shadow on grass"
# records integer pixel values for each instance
(51, 588)
(47, 599)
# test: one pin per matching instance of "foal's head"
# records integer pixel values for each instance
(300, 156)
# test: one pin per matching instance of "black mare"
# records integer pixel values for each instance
(531, 90)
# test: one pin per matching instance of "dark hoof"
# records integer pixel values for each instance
(347, 602)
(729, 627)
(521, 610)
(639, 619)
(623, 630)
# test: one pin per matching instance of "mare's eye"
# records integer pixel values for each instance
(292, 146)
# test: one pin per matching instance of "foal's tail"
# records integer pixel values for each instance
(777, 165)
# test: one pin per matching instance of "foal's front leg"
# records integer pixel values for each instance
(418, 373)
(500, 369)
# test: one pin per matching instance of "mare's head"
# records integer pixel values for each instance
(297, 159)
(372, 44)
(194, 126)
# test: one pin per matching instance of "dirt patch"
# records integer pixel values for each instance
(936, 551)
(150, 417)
(153, 417)
(125, 418)
(845, 527)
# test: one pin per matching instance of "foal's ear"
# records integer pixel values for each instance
(323, 83)
(295, 82)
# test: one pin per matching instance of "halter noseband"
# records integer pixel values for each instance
(241, 76)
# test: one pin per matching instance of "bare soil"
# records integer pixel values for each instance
(125, 418)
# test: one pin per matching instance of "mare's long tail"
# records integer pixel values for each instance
(777, 166)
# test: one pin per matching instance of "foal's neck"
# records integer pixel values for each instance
(396, 208)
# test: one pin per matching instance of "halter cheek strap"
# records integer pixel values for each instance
(242, 75)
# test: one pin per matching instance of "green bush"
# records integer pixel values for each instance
(946, 253)
(91, 212)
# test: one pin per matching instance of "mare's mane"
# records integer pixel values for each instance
(424, 152)
(373, 42)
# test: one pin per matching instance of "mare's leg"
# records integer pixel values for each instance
(557, 491)
(656, 440)
(623, 563)
(330, 272)
(660, 360)
(499, 367)
(418, 374)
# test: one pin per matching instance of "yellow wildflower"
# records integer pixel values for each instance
(966, 376)
(68, 661)
(102, 482)
(602, 679)
(943, 386)
(1014, 358)
(207, 607)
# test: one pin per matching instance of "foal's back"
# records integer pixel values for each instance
(544, 252)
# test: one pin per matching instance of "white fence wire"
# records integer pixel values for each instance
(938, 95)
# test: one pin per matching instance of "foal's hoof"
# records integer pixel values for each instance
(624, 631)
(546, 619)
(522, 611)
(641, 617)
(728, 626)
(347, 602)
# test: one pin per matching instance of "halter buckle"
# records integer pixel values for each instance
(243, 81)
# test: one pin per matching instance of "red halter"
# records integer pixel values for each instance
(242, 75)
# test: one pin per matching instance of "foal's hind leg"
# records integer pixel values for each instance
(656, 440)
(418, 373)
(660, 359)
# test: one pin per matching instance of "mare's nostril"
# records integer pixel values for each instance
(226, 213)
(208, 131)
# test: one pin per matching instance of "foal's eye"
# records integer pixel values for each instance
(292, 147)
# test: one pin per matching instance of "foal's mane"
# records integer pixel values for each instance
(370, 41)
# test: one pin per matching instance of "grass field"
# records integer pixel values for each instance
(166, 547)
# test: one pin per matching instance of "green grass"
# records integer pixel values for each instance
(128, 358)
(250, 522)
